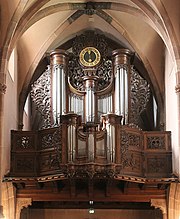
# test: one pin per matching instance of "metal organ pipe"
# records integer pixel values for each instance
(121, 61)
(58, 60)
(90, 98)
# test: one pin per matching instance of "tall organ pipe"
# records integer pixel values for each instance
(121, 62)
(90, 101)
(58, 59)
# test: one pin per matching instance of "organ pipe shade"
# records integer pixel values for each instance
(121, 63)
(58, 75)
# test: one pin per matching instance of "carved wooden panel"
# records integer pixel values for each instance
(23, 141)
(157, 141)
(24, 164)
(134, 152)
(132, 164)
(158, 164)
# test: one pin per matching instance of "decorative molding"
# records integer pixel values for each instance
(22, 203)
(159, 203)
(2, 88)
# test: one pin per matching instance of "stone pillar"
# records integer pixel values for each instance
(161, 204)
(2, 92)
(174, 201)
(20, 204)
(121, 63)
(58, 71)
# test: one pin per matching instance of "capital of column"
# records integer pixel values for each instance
(20, 204)
(2, 88)
(159, 203)
(58, 56)
(121, 56)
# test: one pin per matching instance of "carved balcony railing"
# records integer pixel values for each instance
(73, 150)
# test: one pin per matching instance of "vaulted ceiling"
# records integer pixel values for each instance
(35, 27)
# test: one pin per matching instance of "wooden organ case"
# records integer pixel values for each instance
(91, 143)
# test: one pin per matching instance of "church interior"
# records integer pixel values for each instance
(90, 109)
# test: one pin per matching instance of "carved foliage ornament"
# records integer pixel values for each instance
(103, 70)
(156, 142)
(140, 95)
(90, 39)
(54, 158)
(41, 96)
(129, 160)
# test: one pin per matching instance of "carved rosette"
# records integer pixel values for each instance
(20, 204)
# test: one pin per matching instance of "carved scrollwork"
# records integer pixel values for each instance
(24, 142)
(57, 143)
(52, 141)
(41, 96)
(90, 39)
(76, 74)
(128, 158)
(92, 171)
(124, 147)
(133, 162)
(156, 165)
(140, 94)
(156, 142)
(25, 164)
(103, 73)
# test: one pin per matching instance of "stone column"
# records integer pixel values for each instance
(20, 204)
(2, 92)
(58, 71)
(121, 62)
(174, 201)
(161, 204)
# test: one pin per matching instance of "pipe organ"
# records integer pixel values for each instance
(91, 99)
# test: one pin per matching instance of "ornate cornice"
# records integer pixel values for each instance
(159, 203)
(20, 204)
(2, 88)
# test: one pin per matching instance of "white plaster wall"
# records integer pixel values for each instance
(171, 103)
(10, 116)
